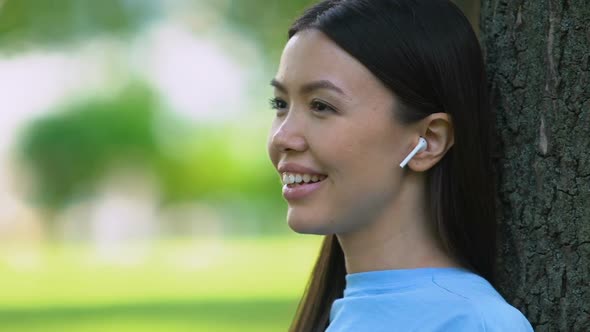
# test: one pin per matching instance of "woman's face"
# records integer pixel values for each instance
(334, 132)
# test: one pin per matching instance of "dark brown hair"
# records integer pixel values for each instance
(427, 54)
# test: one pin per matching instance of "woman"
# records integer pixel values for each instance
(361, 86)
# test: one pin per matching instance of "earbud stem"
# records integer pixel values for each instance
(421, 146)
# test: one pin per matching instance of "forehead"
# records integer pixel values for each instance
(311, 56)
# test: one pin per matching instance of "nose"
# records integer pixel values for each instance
(289, 135)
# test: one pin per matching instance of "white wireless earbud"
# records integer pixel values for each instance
(421, 146)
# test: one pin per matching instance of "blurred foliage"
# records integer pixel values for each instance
(50, 22)
(267, 21)
(69, 151)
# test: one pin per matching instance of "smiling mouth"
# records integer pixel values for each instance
(292, 180)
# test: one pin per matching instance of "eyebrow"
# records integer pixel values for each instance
(309, 87)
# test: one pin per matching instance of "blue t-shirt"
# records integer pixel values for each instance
(423, 299)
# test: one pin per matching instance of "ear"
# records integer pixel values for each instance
(437, 129)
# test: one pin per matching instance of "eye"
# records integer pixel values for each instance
(321, 107)
(277, 103)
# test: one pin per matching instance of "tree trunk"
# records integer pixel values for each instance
(537, 54)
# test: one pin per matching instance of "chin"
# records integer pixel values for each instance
(304, 225)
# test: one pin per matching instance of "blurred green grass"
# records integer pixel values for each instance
(239, 284)
(209, 315)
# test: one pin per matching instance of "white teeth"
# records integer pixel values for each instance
(291, 178)
(306, 178)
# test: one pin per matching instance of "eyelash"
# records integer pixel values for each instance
(274, 103)
(278, 104)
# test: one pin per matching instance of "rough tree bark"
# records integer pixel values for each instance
(538, 58)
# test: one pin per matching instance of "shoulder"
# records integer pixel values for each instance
(478, 306)
(457, 301)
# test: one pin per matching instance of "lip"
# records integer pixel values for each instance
(296, 168)
(301, 191)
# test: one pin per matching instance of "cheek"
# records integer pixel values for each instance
(366, 151)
